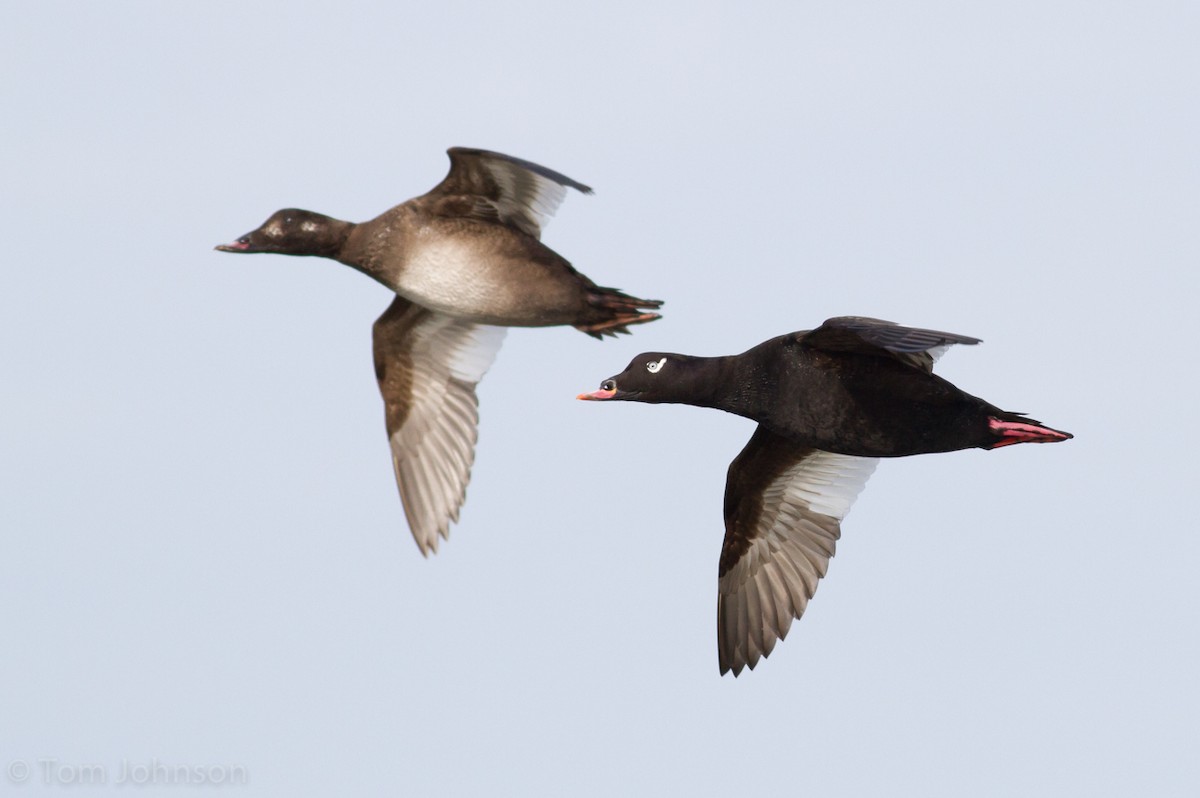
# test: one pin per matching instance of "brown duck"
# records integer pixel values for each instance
(465, 261)
(828, 402)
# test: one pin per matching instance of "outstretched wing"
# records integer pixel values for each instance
(428, 365)
(913, 345)
(783, 508)
(497, 187)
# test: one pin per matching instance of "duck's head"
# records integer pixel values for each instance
(292, 231)
(649, 377)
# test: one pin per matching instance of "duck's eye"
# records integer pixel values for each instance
(654, 367)
(608, 385)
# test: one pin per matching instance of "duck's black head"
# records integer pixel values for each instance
(292, 231)
(651, 377)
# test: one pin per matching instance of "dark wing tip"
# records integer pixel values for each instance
(537, 169)
(896, 337)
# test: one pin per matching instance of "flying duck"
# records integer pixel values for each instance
(828, 403)
(465, 261)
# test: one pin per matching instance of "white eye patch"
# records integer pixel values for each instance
(653, 367)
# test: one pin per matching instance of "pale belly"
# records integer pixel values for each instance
(465, 278)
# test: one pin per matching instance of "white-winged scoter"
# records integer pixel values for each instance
(828, 403)
(465, 261)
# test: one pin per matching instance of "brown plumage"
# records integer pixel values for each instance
(465, 261)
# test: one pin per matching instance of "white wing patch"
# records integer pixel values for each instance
(471, 351)
(433, 448)
(789, 552)
(526, 194)
(828, 483)
(522, 193)
(937, 351)
(654, 367)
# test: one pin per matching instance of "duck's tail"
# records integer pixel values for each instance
(1015, 428)
(614, 311)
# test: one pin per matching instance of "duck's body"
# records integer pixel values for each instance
(828, 402)
(473, 270)
(852, 402)
(464, 260)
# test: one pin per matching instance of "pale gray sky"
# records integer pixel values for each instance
(203, 559)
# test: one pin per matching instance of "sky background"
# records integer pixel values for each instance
(203, 559)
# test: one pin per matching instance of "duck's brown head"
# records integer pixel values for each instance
(293, 231)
